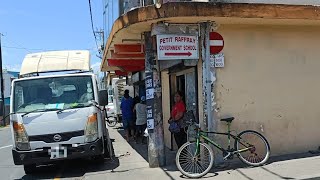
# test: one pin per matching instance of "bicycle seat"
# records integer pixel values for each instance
(227, 119)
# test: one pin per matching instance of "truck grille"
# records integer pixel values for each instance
(48, 138)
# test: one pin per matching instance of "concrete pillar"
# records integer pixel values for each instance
(207, 82)
(156, 148)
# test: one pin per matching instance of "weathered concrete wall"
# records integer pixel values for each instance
(301, 2)
(270, 84)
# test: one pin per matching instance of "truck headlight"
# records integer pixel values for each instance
(91, 131)
(21, 137)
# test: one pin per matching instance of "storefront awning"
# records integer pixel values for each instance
(134, 23)
(126, 58)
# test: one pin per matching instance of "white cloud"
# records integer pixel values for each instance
(96, 69)
(12, 67)
(96, 66)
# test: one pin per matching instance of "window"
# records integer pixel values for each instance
(52, 93)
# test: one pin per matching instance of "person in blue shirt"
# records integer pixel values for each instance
(127, 113)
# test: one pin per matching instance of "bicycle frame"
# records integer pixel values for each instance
(202, 134)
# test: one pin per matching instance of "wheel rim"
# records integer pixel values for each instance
(193, 164)
(111, 122)
(258, 152)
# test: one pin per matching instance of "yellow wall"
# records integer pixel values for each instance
(270, 83)
(166, 107)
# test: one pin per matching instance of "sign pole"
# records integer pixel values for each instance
(1, 79)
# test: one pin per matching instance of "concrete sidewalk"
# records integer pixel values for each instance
(130, 162)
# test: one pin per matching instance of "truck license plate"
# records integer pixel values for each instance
(58, 152)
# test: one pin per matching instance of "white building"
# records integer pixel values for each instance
(8, 77)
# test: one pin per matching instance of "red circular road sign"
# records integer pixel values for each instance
(216, 43)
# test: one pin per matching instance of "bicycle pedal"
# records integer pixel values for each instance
(226, 156)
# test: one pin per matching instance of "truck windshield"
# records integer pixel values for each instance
(52, 93)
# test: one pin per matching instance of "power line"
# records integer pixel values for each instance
(22, 48)
(30, 49)
(17, 45)
(94, 34)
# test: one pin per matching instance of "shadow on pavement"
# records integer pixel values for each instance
(140, 148)
(231, 165)
(73, 168)
(292, 156)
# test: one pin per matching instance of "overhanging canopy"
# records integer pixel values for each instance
(131, 25)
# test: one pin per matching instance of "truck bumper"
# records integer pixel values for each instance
(43, 156)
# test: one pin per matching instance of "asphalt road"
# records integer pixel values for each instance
(75, 169)
(7, 169)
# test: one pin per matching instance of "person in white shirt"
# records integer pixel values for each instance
(141, 122)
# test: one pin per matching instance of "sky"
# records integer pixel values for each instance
(41, 25)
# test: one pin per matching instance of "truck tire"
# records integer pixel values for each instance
(30, 168)
(109, 151)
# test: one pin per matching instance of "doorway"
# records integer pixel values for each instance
(186, 82)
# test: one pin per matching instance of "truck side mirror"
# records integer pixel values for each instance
(103, 97)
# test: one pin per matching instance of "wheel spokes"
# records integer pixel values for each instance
(257, 148)
(194, 163)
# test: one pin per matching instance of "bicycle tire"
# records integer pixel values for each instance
(111, 123)
(253, 159)
(194, 170)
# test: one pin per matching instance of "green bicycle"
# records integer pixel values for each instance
(194, 159)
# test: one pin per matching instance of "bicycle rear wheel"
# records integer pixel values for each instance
(194, 164)
(259, 148)
(111, 121)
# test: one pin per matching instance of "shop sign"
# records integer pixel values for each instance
(150, 99)
(217, 60)
(172, 47)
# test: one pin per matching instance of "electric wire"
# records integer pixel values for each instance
(94, 34)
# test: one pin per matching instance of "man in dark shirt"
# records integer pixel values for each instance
(127, 113)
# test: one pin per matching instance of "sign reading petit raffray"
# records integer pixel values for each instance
(171, 46)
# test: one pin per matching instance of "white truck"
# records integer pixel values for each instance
(57, 110)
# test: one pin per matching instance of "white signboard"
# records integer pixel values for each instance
(171, 46)
(217, 60)
(149, 94)
(150, 124)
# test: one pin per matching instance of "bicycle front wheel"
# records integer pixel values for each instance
(254, 148)
(193, 161)
(111, 121)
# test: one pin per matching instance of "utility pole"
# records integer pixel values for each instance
(101, 53)
(1, 79)
(101, 34)
(156, 150)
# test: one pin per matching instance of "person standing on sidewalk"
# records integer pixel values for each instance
(141, 123)
(127, 113)
(177, 114)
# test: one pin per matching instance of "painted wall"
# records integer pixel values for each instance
(301, 2)
(165, 85)
(270, 83)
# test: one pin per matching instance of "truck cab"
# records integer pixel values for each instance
(57, 115)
